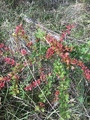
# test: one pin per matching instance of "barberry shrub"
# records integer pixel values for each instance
(40, 73)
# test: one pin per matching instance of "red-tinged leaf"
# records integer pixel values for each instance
(29, 87)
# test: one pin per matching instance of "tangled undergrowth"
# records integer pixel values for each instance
(40, 72)
(42, 77)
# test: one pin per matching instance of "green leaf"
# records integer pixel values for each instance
(42, 109)
(81, 99)
(37, 108)
(67, 97)
(40, 34)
